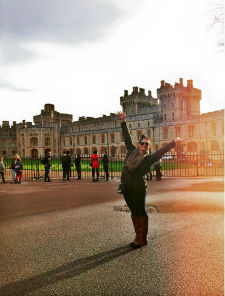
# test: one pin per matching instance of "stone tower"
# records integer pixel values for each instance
(178, 102)
(137, 102)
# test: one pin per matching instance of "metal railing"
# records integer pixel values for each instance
(172, 165)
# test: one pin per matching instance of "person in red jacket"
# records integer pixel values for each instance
(95, 165)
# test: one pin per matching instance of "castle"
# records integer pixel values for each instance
(175, 112)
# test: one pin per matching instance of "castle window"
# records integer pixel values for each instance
(103, 138)
(165, 133)
(138, 135)
(177, 131)
(63, 141)
(164, 106)
(71, 141)
(173, 117)
(47, 141)
(172, 105)
(112, 138)
(121, 137)
(85, 141)
(33, 142)
(129, 125)
(139, 124)
(191, 131)
(164, 117)
(149, 133)
(93, 139)
(148, 123)
(78, 141)
(215, 146)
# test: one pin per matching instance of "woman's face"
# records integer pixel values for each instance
(144, 146)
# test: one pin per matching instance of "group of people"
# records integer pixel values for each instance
(67, 163)
(16, 167)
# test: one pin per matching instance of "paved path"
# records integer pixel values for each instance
(65, 239)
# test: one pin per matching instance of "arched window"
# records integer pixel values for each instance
(33, 142)
(102, 149)
(103, 138)
(192, 147)
(93, 139)
(34, 153)
(113, 151)
(215, 146)
(93, 148)
(47, 141)
(86, 151)
(78, 151)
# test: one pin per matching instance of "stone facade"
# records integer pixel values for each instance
(175, 112)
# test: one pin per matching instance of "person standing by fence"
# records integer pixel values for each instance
(105, 161)
(19, 170)
(2, 169)
(47, 163)
(67, 166)
(78, 166)
(136, 165)
(95, 165)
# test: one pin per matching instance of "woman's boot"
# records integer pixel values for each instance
(135, 221)
(143, 239)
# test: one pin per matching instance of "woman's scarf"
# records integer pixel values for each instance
(134, 159)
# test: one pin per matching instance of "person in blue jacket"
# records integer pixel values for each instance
(136, 165)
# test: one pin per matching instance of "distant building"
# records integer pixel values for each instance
(175, 112)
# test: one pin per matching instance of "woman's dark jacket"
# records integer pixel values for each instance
(135, 180)
(78, 163)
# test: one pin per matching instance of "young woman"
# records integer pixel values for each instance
(136, 165)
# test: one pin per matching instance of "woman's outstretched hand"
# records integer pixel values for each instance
(121, 115)
(178, 140)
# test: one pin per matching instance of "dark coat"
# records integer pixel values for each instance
(66, 161)
(78, 162)
(135, 180)
(105, 160)
(47, 161)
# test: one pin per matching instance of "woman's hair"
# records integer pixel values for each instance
(143, 137)
(95, 151)
(1, 158)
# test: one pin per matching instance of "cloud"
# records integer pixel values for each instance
(10, 86)
(63, 21)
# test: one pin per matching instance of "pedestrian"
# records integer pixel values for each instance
(64, 166)
(95, 165)
(12, 167)
(78, 165)
(136, 165)
(149, 173)
(2, 169)
(67, 165)
(19, 170)
(105, 161)
(46, 161)
(157, 167)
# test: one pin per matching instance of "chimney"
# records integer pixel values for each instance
(149, 93)
(190, 83)
(125, 93)
(181, 81)
(162, 83)
(14, 123)
(24, 121)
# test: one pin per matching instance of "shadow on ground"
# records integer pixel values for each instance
(65, 271)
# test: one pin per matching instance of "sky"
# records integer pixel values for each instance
(82, 55)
